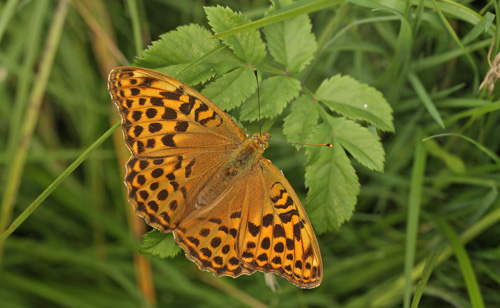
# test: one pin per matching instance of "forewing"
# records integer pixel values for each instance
(178, 139)
(163, 189)
(161, 115)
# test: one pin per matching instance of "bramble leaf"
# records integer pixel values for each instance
(349, 97)
(301, 121)
(275, 93)
(159, 244)
(291, 42)
(187, 55)
(232, 89)
(247, 45)
(332, 181)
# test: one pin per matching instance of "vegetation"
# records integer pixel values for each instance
(409, 217)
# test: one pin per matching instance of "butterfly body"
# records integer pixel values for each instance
(195, 173)
(238, 163)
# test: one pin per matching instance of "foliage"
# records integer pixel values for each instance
(292, 45)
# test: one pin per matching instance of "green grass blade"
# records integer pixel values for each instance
(469, 276)
(474, 112)
(388, 293)
(136, 25)
(414, 203)
(295, 9)
(458, 42)
(34, 205)
(31, 117)
(422, 93)
(8, 10)
(22, 89)
(486, 151)
(430, 264)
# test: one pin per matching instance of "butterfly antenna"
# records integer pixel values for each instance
(311, 144)
(258, 98)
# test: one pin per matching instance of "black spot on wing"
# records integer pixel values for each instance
(289, 201)
(169, 114)
(253, 229)
(188, 168)
(156, 101)
(146, 82)
(171, 95)
(203, 107)
(181, 126)
(279, 231)
(206, 120)
(168, 140)
(187, 107)
(287, 216)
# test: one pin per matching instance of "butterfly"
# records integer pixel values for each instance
(195, 173)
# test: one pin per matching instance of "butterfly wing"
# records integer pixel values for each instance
(209, 236)
(294, 242)
(259, 224)
(178, 139)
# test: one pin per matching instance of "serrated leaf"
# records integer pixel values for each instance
(187, 55)
(247, 45)
(230, 90)
(363, 144)
(159, 244)
(275, 93)
(291, 41)
(332, 181)
(353, 99)
(295, 9)
(301, 121)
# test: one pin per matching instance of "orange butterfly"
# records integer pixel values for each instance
(195, 173)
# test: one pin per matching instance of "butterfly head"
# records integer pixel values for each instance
(261, 140)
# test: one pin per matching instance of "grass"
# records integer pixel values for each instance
(424, 233)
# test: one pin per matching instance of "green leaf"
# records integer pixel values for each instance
(187, 55)
(296, 8)
(301, 121)
(159, 244)
(230, 90)
(248, 45)
(356, 100)
(363, 144)
(332, 181)
(291, 41)
(275, 93)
